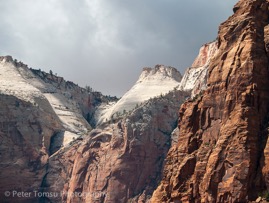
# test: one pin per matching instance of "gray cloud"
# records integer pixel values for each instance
(105, 44)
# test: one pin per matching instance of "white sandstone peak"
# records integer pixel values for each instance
(152, 82)
(160, 72)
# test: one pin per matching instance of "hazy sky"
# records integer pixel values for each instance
(106, 43)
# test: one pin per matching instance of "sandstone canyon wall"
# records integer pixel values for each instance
(119, 161)
(59, 138)
(27, 124)
(222, 151)
(48, 143)
(39, 113)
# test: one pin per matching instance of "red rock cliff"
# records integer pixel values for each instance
(119, 162)
(222, 153)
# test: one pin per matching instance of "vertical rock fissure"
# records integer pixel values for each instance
(260, 178)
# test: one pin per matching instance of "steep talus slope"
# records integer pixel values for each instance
(220, 155)
(151, 83)
(120, 162)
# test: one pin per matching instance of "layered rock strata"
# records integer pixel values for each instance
(120, 162)
(39, 113)
(222, 155)
(27, 123)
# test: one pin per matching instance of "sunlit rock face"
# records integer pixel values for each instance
(27, 123)
(49, 145)
(81, 146)
(152, 83)
(195, 77)
(121, 161)
(39, 114)
(222, 150)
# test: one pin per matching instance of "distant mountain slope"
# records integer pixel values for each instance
(73, 105)
(39, 114)
(195, 76)
(27, 124)
(47, 131)
(152, 83)
(121, 161)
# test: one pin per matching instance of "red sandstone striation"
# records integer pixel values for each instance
(222, 153)
(120, 162)
(206, 53)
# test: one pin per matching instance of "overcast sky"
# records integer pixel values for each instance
(106, 43)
